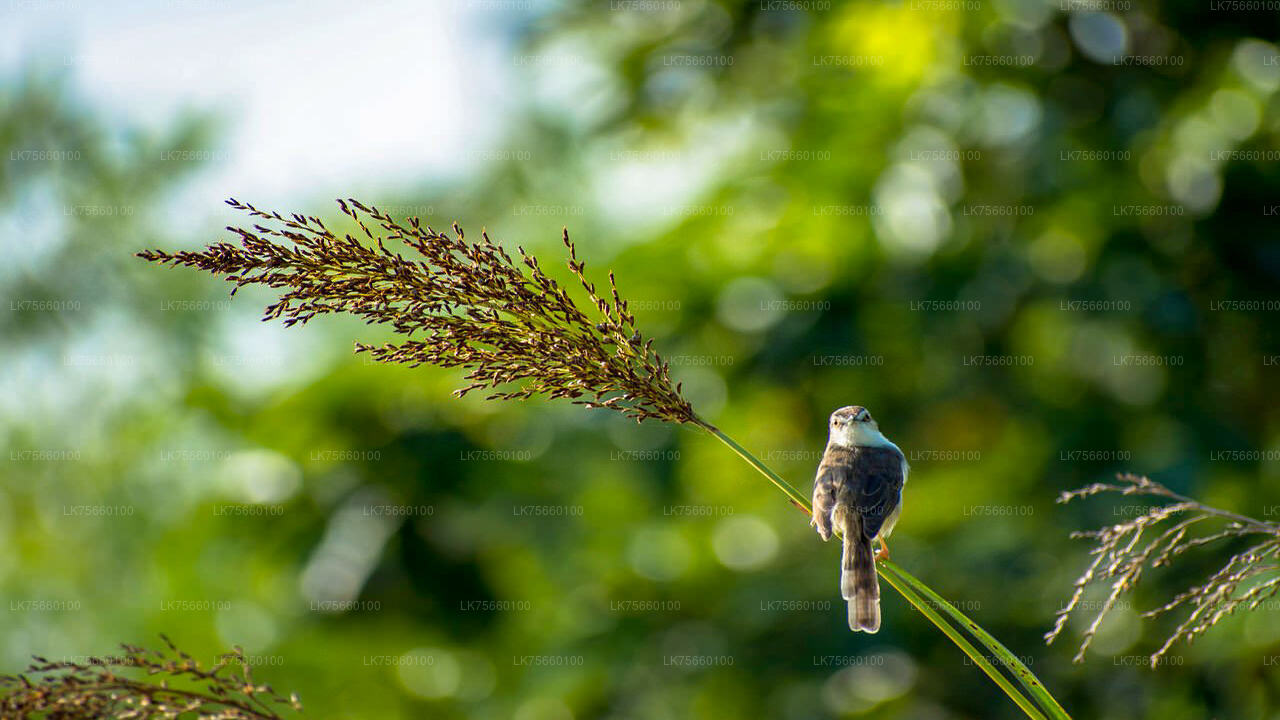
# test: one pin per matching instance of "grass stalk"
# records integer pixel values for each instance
(1034, 699)
(473, 305)
(895, 577)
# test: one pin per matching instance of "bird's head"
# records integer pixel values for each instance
(852, 424)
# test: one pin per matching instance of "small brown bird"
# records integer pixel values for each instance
(858, 493)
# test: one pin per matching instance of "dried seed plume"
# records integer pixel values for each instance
(1156, 537)
(458, 303)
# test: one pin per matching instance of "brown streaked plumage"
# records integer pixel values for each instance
(857, 493)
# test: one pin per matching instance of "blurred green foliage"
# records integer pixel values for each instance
(1030, 271)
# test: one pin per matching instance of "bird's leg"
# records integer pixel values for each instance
(883, 552)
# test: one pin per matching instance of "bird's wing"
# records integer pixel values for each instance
(830, 483)
(876, 486)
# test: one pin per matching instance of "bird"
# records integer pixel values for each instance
(857, 493)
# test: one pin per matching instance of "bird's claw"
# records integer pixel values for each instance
(883, 552)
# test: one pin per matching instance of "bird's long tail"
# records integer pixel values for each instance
(858, 582)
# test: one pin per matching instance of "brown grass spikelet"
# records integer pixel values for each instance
(1121, 557)
(120, 686)
(460, 303)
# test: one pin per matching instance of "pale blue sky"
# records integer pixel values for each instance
(319, 97)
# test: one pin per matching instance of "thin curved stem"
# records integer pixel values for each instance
(797, 498)
(922, 605)
(1019, 670)
(926, 601)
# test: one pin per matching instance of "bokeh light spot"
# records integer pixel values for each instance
(429, 673)
(659, 553)
(744, 542)
(1100, 36)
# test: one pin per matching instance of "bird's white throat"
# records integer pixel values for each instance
(867, 435)
(860, 435)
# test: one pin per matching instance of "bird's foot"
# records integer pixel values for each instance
(883, 552)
